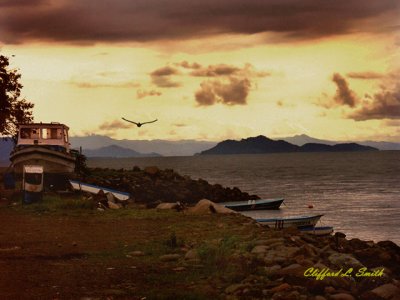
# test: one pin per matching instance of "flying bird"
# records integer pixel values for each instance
(138, 124)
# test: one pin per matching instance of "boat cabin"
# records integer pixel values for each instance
(52, 135)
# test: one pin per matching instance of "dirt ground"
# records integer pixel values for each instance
(74, 255)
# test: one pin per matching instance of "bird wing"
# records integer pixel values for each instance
(150, 121)
(129, 121)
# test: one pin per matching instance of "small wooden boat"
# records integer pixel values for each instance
(321, 230)
(259, 204)
(94, 189)
(300, 221)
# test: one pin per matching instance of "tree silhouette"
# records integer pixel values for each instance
(13, 109)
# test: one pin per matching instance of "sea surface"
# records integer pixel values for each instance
(358, 193)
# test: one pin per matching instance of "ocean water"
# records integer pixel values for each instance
(358, 193)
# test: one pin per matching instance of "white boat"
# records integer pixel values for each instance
(259, 204)
(94, 189)
(44, 144)
(284, 222)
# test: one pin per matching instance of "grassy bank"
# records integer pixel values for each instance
(131, 253)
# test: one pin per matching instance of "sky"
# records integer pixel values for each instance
(209, 70)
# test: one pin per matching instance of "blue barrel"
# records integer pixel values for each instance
(30, 197)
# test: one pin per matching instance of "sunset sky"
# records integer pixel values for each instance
(209, 70)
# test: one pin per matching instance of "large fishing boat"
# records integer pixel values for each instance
(44, 144)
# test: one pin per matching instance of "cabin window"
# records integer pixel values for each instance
(65, 136)
(51, 133)
(29, 133)
(33, 178)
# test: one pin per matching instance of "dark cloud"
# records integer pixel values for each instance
(385, 105)
(228, 70)
(231, 93)
(113, 125)
(148, 20)
(162, 77)
(365, 75)
(344, 95)
(187, 65)
(143, 93)
(216, 70)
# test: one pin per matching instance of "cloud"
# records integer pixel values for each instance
(151, 20)
(186, 65)
(234, 92)
(344, 95)
(143, 93)
(162, 77)
(105, 79)
(91, 85)
(227, 70)
(365, 75)
(113, 125)
(384, 105)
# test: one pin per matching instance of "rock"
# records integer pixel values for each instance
(342, 296)
(293, 269)
(259, 249)
(272, 270)
(169, 257)
(136, 253)
(113, 205)
(205, 206)
(166, 206)
(342, 260)
(192, 255)
(319, 297)
(153, 170)
(387, 291)
(235, 287)
(280, 288)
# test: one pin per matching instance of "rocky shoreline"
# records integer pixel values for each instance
(294, 265)
(301, 266)
(152, 186)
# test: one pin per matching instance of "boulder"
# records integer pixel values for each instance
(153, 170)
(342, 260)
(387, 291)
(163, 206)
(206, 206)
(342, 296)
(169, 257)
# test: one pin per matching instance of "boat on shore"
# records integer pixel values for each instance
(259, 204)
(44, 144)
(284, 222)
(317, 230)
(94, 189)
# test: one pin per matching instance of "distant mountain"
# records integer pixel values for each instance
(164, 148)
(262, 144)
(116, 151)
(346, 147)
(252, 145)
(302, 139)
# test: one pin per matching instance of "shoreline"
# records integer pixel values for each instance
(126, 251)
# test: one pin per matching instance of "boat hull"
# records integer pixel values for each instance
(299, 222)
(253, 204)
(53, 162)
(94, 189)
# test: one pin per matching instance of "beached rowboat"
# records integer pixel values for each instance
(322, 230)
(259, 204)
(300, 221)
(94, 189)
